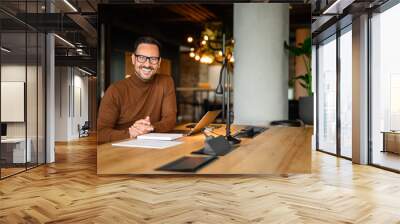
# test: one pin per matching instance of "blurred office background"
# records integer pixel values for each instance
(192, 54)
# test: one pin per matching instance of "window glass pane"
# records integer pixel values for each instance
(385, 87)
(327, 96)
(346, 94)
(22, 87)
(14, 153)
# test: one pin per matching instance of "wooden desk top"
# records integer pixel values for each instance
(191, 89)
(279, 150)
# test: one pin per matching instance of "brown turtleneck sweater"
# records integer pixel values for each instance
(132, 99)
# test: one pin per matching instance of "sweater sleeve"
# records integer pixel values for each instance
(108, 115)
(168, 109)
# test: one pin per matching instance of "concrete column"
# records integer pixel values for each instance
(50, 98)
(50, 91)
(261, 62)
(360, 90)
(92, 89)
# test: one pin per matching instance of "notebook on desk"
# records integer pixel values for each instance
(160, 136)
(147, 143)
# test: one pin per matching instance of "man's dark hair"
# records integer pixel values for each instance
(146, 40)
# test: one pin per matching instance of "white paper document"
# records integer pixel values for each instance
(160, 136)
(147, 143)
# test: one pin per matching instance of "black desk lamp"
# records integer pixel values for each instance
(224, 89)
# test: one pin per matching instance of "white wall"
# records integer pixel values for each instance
(17, 72)
(213, 75)
(80, 84)
(70, 83)
(261, 62)
(14, 72)
(61, 103)
(33, 127)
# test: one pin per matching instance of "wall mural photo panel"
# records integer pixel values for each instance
(189, 93)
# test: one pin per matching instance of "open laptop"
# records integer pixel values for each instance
(206, 120)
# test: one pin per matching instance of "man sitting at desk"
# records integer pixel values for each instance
(142, 103)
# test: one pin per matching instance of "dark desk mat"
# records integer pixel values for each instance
(187, 164)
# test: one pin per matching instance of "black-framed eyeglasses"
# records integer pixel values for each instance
(143, 59)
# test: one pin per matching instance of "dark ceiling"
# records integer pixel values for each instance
(171, 23)
(174, 22)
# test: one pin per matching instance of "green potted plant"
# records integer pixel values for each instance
(306, 103)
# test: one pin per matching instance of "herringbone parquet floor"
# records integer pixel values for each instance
(69, 191)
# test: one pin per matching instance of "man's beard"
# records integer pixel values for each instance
(138, 74)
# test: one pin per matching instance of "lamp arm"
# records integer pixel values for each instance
(220, 88)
